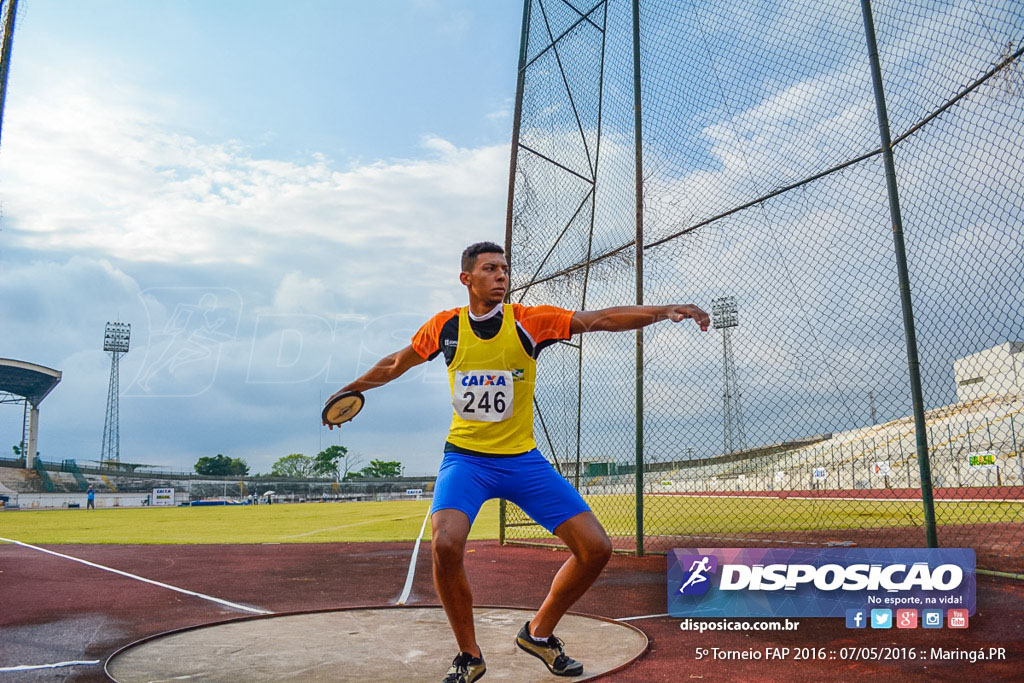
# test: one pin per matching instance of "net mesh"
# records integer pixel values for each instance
(764, 189)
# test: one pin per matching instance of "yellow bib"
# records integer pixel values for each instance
(492, 390)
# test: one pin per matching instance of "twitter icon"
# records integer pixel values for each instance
(881, 618)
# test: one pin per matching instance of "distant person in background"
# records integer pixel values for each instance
(90, 497)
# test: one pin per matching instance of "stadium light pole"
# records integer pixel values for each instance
(116, 337)
(913, 362)
(724, 317)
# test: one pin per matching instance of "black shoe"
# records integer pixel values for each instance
(549, 652)
(465, 669)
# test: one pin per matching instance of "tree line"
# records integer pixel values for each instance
(333, 462)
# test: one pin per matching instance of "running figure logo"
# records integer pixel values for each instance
(188, 329)
(698, 566)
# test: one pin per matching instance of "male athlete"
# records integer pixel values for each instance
(491, 350)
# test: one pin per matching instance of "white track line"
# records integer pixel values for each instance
(32, 667)
(412, 564)
(232, 605)
(646, 616)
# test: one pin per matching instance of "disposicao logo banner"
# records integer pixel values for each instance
(816, 582)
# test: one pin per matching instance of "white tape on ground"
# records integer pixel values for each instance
(412, 564)
(31, 667)
(646, 616)
(232, 605)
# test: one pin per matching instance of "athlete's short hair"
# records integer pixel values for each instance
(470, 253)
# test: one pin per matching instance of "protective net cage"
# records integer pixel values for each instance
(766, 201)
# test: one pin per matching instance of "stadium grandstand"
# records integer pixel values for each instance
(975, 442)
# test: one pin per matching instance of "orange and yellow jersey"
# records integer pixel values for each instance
(492, 371)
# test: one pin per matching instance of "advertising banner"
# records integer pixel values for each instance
(162, 497)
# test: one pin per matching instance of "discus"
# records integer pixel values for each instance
(342, 408)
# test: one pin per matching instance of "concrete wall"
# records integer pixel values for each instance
(36, 501)
(992, 372)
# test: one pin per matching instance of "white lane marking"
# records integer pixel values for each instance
(646, 616)
(346, 526)
(412, 564)
(30, 667)
(232, 605)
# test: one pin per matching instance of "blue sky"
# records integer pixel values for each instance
(351, 80)
(273, 195)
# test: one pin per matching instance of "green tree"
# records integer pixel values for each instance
(327, 462)
(380, 469)
(221, 465)
(294, 465)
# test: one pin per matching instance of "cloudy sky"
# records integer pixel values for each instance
(273, 196)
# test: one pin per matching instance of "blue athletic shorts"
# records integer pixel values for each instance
(528, 480)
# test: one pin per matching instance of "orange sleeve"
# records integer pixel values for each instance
(426, 341)
(543, 323)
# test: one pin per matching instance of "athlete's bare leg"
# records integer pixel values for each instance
(591, 549)
(448, 546)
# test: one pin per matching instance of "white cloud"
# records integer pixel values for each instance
(315, 271)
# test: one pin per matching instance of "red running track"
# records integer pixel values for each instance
(53, 609)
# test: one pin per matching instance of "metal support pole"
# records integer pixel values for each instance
(524, 36)
(33, 434)
(1013, 438)
(5, 54)
(579, 413)
(913, 363)
(639, 247)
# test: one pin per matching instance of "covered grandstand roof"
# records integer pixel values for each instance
(27, 380)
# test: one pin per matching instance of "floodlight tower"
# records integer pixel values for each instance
(724, 317)
(115, 340)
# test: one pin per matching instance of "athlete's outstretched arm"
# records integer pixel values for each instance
(621, 318)
(386, 369)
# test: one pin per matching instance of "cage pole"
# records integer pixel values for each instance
(524, 35)
(639, 248)
(913, 363)
(5, 54)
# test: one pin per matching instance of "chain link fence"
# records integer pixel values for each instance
(765, 199)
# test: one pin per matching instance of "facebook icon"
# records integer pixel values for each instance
(856, 618)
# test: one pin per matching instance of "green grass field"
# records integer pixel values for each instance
(401, 520)
(291, 523)
(672, 515)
